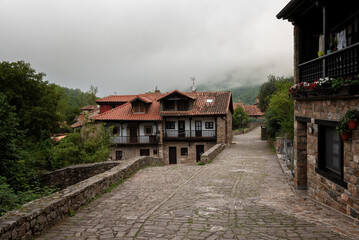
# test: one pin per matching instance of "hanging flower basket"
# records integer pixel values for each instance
(352, 124)
(345, 136)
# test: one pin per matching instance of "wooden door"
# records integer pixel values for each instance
(198, 128)
(199, 152)
(181, 129)
(172, 155)
(133, 134)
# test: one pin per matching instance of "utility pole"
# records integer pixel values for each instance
(193, 80)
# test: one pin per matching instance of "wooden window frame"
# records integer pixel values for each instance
(184, 151)
(145, 130)
(209, 125)
(119, 156)
(145, 152)
(170, 125)
(336, 177)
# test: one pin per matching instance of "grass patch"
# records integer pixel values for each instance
(72, 212)
(200, 163)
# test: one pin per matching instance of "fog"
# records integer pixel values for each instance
(132, 46)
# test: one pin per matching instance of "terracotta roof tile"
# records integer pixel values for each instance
(219, 105)
(252, 110)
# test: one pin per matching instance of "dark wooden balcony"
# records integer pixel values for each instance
(134, 140)
(343, 63)
(189, 135)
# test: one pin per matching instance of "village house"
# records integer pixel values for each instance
(177, 126)
(87, 112)
(252, 110)
(326, 53)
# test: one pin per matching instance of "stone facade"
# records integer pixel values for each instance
(34, 217)
(68, 176)
(191, 157)
(131, 151)
(320, 188)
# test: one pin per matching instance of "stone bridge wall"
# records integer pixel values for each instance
(68, 176)
(212, 153)
(34, 217)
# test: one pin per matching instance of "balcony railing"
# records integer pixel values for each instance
(194, 134)
(152, 139)
(342, 63)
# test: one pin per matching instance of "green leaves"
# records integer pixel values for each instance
(280, 113)
(91, 144)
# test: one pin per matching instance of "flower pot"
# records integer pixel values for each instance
(352, 124)
(345, 136)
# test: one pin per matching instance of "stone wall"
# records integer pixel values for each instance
(212, 153)
(191, 158)
(224, 129)
(320, 188)
(34, 217)
(68, 176)
(131, 151)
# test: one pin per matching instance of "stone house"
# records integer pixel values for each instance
(325, 46)
(176, 126)
(252, 110)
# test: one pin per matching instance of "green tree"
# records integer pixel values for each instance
(91, 144)
(280, 114)
(36, 101)
(268, 88)
(10, 137)
(240, 117)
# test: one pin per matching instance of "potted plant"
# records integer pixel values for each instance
(352, 116)
(343, 129)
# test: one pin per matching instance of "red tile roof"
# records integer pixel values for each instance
(252, 110)
(178, 92)
(220, 105)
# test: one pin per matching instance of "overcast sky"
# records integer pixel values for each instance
(130, 46)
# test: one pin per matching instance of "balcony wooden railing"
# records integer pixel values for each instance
(190, 134)
(152, 139)
(342, 63)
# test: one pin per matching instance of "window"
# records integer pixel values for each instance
(118, 155)
(144, 152)
(209, 125)
(182, 105)
(169, 105)
(170, 125)
(330, 153)
(154, 151)
(139, 107)
(148, 130)
(115, 129)
(184, 151)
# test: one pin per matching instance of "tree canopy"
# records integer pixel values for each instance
(268, 88)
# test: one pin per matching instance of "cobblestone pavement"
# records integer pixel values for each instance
(243, 194)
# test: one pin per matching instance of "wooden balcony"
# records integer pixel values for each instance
(135, 140)
(189, 135)
(343, 63)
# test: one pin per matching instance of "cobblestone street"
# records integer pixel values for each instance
(242, 194)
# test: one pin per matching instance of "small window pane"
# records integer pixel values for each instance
(184, 151)
(118, 155)
(170, 125)
(144, 152)
(209, 125)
